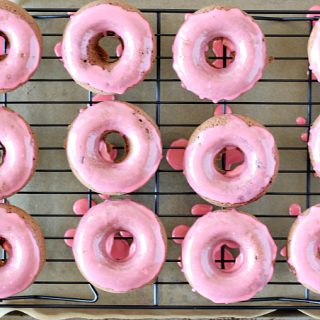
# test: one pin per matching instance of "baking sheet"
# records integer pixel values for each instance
(60, 113)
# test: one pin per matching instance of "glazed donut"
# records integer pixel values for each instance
(303, 248)
(24, 46)
(19, 152)
(193, 41)
(244, 184)
(314, 145)
(255, 262)
(22, 238)
(92, 248)
(86, 148)
(87, 62)
(313, 50)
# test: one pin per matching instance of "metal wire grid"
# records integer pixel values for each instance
(92, 303)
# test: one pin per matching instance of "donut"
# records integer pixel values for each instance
(313, 49)
(90, 161)
(314, 145)
(92, 246)
(22, 239)
(246, 43)
(255, 262)
(19, 152)
(303, 248)
(244, 184)
(89, 64)
(24, 46)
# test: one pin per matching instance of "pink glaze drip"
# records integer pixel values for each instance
(179, 232)
(103, 97)
(24, 54)
(201, 209)
(119, 50)
(20, 154)
(219, 110)
(108, 177)
(145, 259)
(69, 234)
(247, 181)
(192, 41)
(108, 155)
(303, 248)
(283, 251)
(137, 56)
(314, 145)
(304, 137)
(175, 156)
(80, 207)
(24, 262)
(118, 249)
(217, 48)
(57, 50)
(254, 263)
(300, 121)
(295, 209)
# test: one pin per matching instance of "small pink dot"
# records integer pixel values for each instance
(294, 209)
(201, 209)
(304, 136)
(70, 233)
(175, 156)
(283, 251)
(301, 121)
(80, 207)
(180, 231)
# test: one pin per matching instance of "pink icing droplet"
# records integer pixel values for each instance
(180, 231)
(109, 155)
(120, 249)
(283, 251)
(227, 256)
(80, 207)
(70, 233)
(217, 48)
(58, 50)
(311, 15)
(304, 136)
(102, 97)
(104, 196)
(201, 209)
(300, 121)
(119, 50)
(233, 156)
(175, 156)
(219, 110)
(295, 209)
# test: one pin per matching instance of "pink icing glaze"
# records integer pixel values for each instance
(304, 137)
(20, 153)
(24, 55)
(198, 75)
(314, 145)
(300, 121)
(179, 232)
(295, 209)
(109, 155)
(118, 249)
(103, 97)
(201, 209)
(217, 48)
(217, 256)
(108, 177)
(243, 184)
(145, 259)
(80, 207)
(303, 248)
(175, 156)
(135, 61)
(313, 50)
(69, 234)
(283, 251)
(254, 263)
(24, 262)
(220, 108)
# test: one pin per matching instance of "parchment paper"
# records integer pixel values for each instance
(37, 113)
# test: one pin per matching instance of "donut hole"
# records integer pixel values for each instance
(114, 146)
(229, 160)
(119, 245)
(4, 46)
(227, 256)
(2, 153)
(5, 251)
(220, 53)
(105, 49)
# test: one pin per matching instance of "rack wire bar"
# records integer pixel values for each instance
(93, 302)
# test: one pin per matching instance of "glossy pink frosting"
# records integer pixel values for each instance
(303, 248)
(101, 174)
(192, 41)
(20, 152)
(246, 182)
(136, 58)
(313, 50)
(314, 145)
(147, 251)
(255, 262)
(24, 55)
(24, 262)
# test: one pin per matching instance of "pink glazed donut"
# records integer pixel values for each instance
(24, 46)
(314, 145)
(19, 154)
(253, 267)
(88, 63)
(94, 167)
(147, 251)
(244, 184)
(303, 248)
(22, 239)
(192, 43)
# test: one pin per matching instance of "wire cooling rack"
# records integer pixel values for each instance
(92, 302)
